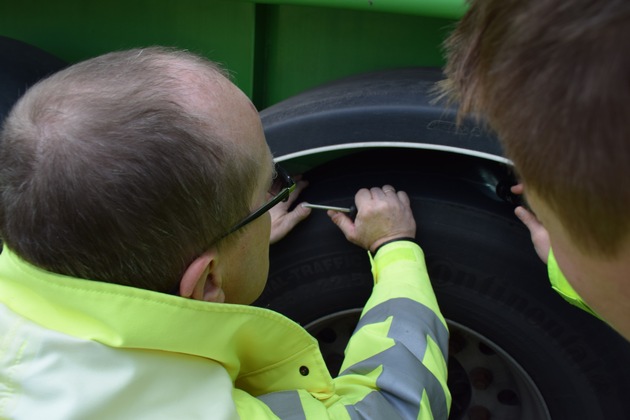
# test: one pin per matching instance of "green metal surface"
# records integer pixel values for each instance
(440, 8)
(308, 46)
(272, 50)
(74, 30)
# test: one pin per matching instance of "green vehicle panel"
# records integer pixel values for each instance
(274, 49)
(345, 93)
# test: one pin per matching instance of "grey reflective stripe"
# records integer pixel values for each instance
(373, 406)
(404, 376)
(286, 405)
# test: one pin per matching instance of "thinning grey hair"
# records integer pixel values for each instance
(106, 174)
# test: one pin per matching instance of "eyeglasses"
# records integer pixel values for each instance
(280, 189)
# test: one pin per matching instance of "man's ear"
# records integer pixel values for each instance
(201, 280)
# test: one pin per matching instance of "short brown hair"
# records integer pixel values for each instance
(106, 174)
(553, 79)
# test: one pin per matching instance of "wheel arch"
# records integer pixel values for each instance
(395, 109)
(500, 290)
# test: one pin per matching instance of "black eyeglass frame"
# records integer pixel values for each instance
(283, 195)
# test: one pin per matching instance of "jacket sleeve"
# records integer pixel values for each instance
(400, 346)
(560, 284)
(395, 362)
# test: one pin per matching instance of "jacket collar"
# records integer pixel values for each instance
(257, 347)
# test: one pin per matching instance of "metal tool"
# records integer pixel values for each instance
(352, 210)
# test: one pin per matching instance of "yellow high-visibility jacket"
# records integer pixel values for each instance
(560, 284)
(79, 349)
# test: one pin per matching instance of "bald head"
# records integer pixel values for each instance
(125, 167)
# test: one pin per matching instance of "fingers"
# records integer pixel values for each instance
(282, 224)
(537, 231)
(383, 214)
(298, 214)
(295, 216)
(362, 195)
(300, 185)
(528, 219)
(404, 198)
(400, 195)
(517, 189)
(283, 220)
(343, 222)
(387, 192)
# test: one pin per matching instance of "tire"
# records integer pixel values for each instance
(21, 65)
(372, 109)
(518, 350)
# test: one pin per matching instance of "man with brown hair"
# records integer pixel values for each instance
(135, 191)
(553, 80)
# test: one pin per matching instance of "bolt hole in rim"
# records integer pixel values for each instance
(485, 381)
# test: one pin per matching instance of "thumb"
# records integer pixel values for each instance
(538, 232)
(299, 213)
(528, 219)
(343, 222)
(282, 224)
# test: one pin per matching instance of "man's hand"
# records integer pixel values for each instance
(383, 214)
(540, 236)
(283, 220)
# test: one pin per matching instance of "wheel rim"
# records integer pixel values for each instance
(484, 380)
